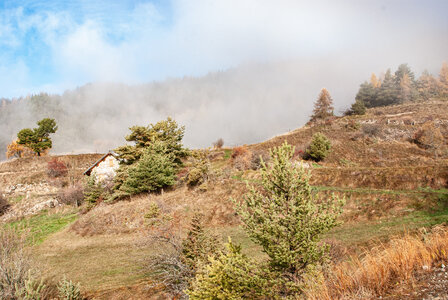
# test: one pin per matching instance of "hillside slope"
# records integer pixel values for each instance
(390, 184)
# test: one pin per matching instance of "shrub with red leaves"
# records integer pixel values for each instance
(56, 168)
(239, 151)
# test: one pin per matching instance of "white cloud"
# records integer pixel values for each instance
(142, 44)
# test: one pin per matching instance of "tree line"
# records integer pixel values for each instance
(402, 86)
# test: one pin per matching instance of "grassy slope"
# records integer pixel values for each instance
(98, 262)
(38, 227)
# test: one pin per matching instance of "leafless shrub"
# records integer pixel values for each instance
(72, 195)
(337, 251)
(15, 266)
(428, 136)
(241, 158)
(356, 136)
(169, 267)
(219, 143)
(257, 157)
(179, 259)
(4, 204)
(378, 113)
(242, 162)
(372, 130)
(108, 184)
(59, 182)
(408, 121)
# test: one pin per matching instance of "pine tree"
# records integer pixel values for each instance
(38, 139)
(357, 108)
(285, 217)
(403, 70)
(178, 261)
(367, 94)
(166, 131)
(198, 245)
(323, 107)
(319, 147)
(388, 93)
(231, 275)
(94, 190)
(154, 170)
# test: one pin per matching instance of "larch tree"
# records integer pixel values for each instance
(405, 88)
(427, 86)
(323, 107)
(443, 80)
(14, 150)
(374, 81)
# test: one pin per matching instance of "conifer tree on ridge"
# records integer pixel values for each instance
(323, 107)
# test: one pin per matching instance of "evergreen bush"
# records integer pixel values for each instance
(69, 290)
(231, 275)
(319, 147)
(93, 191)
(154, 170)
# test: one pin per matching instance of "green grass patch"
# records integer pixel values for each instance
(16, 199)
(380, 191)
(39, 227)
(347, 163)
(316, 165)
(354, 234)
(239, 236)
(227, 153)
(238, 176)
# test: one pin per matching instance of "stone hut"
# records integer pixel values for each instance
(105, 167)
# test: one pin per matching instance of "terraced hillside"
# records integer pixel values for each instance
(392, 184)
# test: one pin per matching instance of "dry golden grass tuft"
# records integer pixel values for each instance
(381, 268)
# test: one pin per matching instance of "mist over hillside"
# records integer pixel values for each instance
(241, 105)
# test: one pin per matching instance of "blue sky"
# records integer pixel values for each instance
(56, 45)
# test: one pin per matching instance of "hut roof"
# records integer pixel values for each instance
(89, 170)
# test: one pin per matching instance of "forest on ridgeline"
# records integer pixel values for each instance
(229, 104)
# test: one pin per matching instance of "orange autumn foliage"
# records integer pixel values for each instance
(16, 150)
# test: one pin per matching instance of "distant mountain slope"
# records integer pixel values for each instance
(247, 104)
